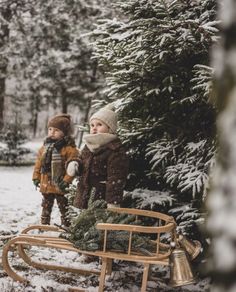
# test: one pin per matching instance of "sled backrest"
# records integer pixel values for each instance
(164, 225)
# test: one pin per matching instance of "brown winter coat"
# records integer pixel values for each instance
(68, 153)
(105, 171)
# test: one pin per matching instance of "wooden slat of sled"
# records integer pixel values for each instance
(160, 257)
(76, 290)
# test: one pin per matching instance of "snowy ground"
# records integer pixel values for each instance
(20, 207)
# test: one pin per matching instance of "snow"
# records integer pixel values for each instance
(33, 145)
(20, 198)
(20, 207)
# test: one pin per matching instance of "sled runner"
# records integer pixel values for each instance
(165, 225)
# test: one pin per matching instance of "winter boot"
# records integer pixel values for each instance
(65, 221)
(45, 220)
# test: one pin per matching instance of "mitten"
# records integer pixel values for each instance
(36, 182)
(72, 168)
(113, 205)
(63, 186)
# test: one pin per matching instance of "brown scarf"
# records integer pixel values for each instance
(51, 159)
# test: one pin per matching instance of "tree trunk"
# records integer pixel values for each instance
(36, 109)
(88, 107)
(64, 104)
(2, 94)
(222, 197)
(6, 14)
(35, 123)
(81, 133)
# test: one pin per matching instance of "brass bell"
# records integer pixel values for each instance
(180, 269)
(192, 247)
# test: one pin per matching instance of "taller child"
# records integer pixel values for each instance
(50, 167)
(104, 163)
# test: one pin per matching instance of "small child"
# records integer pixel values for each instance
(104, 163)
(50, 167)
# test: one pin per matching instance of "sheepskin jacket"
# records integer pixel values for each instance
(68, 152)
(103, 174)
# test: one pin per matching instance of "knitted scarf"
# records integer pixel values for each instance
(51, 159)
(95, 141)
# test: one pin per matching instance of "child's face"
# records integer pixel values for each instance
(55, 133)
(97, 126)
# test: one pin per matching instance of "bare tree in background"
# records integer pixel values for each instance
(222, 197)
(6, 14)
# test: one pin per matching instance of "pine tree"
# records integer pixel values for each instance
(8, 10)
(12, 135)
(55, 59)
(157, 66)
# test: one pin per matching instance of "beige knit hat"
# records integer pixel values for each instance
(107, 116)
(61, 122)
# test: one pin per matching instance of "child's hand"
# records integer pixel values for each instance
(36, 182)
(63, 186)
(72, 168)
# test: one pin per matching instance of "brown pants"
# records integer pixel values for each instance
(47, 204)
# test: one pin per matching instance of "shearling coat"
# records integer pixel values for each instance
(68, 153)
(104, 172)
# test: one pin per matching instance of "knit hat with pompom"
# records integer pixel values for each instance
(61, 122)
(107, 116)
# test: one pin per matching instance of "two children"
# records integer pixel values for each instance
(102, 166)
(50, 174)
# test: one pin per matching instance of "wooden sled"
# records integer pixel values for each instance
(165, 225)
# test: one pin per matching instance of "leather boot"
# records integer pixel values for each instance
(45, 220)
(65, 221)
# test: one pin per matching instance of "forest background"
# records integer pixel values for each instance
(152, 58)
